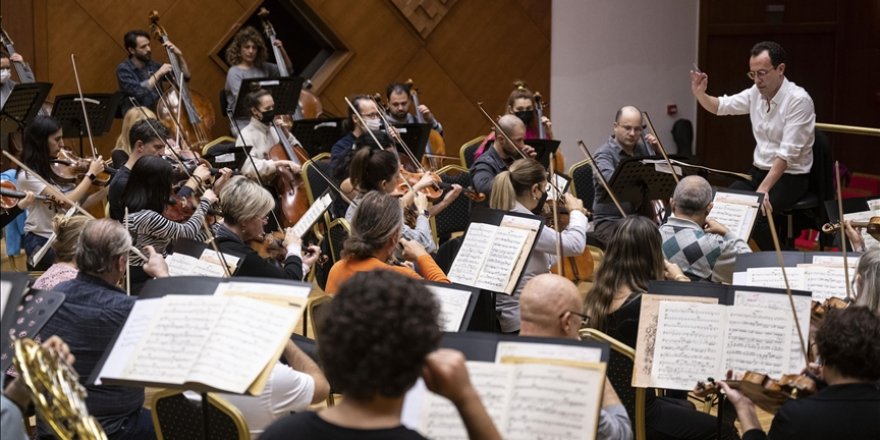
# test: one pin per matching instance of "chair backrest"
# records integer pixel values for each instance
(317, 309)
(822, 172)
(582, 182)
(337, 233)
(177, 417)
(467, 150)
(455, 217)
(316, 185)
(620, 375)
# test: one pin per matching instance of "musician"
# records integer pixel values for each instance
(625, 141)
(368, 110)
(501, 154)
(67, 232)
(703, 248)
(520, 103)
(551, 307)
(867, 281)
(246, 56)
(399, 101)
(8, 215)
(145, 142)
(122, 149)
(632, 259)
(146, 196)
(783, 123)
(375, 234)
(849, 407)
(261, 136)
(522, 189)
(381, 333)
(855, 238)
(246, 206)
(93, 310)
(43, 140)
(6, 82)
(138, 76)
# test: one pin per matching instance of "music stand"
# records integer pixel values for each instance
(25, 101)
(636, 182)
(284, 91)
(543, 148)
(416, 138)
(100, 108)
(318, 135)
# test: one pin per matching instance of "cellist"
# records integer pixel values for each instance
(138, 75)
(261, 136)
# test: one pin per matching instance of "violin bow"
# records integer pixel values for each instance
(560, 267)
(843, 240)
(127, 258)
(82, 102)
(660, 144)
(212, 239)
(36, 258)
(360, 118)
(781, 262)
(248, 155)
(164, 141)
(390, 129)
(601, 177)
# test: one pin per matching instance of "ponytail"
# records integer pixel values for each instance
(503, 195)
(514, 182)
(370, 166)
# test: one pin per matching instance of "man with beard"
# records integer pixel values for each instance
(139, 75)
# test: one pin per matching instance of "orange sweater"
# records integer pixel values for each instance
(346, 268)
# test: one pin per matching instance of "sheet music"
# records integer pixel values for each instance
(775, 301)
(864, 216)
(689, 344)
(312, 214)
(826, 281)
(210, 255)
(835, 260)
(285, 295)
(136, 325)
(757, 338)
(772, 277)
(453, 305)
(536, 350)
(553, 402)
(501, 259)
(469, 260)
(182, 265)
(560, 182)
(735, 211)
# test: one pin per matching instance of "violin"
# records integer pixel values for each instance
(195, 125)
(9, 195)
(872, 225)
(71, 168)
(768, 394)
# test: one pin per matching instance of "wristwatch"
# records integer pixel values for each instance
(92, 176)
(426, 213)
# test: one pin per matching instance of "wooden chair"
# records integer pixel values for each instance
(467, 150)
(176, 417)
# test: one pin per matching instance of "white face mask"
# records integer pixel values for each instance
(4, 75)
(373, 124)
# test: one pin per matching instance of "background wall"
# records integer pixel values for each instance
(610, 54)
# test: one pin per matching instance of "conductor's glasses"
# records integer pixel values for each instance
(759, 74)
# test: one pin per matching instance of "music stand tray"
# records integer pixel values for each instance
(25, 101)
(100, 108)
(636, 182)
(318, 135)
(284, 91)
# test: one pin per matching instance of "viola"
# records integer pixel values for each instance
(71, 168)
(768, 394)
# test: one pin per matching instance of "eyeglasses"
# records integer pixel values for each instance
(759, 74)
(371, 116)
(585, 320)
(636, 128)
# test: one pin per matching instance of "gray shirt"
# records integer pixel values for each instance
(233, 82)
(608, 157)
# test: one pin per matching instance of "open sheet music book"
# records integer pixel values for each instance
(822, 280)
(209, 264)
(737, 210)
(313, 213)
(526, 397)
(685, 339)
(492, 256)
(454, 304)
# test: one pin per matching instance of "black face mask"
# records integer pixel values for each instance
(267, 117)
(540, 208)
(526, 116)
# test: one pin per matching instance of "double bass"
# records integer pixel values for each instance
(195, 121)
(436, 145)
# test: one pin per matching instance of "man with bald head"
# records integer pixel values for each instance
(625, 141)
(501, 154)
(550, 306)
(703, 248)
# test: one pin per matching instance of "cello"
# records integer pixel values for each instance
(198, 118)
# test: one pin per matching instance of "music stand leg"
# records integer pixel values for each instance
(205, 423)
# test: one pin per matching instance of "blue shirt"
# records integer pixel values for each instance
(608, 157)
(88, 319)
(135, 83)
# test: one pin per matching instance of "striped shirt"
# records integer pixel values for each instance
(150, 228)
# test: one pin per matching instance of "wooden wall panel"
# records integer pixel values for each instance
(474, 53)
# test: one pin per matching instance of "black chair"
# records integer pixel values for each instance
(809, 212)
(582, 182)
(456, 216)
(176, 417)
(683, 135)
(337, 233)
(315, 184)
(467, 150)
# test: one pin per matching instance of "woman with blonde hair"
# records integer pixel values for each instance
(522, 188)
(67, 232)
(122, 150)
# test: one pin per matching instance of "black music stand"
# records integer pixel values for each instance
(24, 102)
(416, 138)
(100, 108)
(636, 182)
(284, 91)
(543, 148)
(318, 135)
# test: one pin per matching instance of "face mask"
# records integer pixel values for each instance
(373, 124)
(540, 208)
(267, 117)
(5, 74)
(526, 116)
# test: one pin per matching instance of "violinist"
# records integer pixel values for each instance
(6, 82)
(8, 215)
(867, 281)
(855, 238)
(345, 145)
(145, 142)
(703, 248)
(138, 76)
(625, 141)
(500, 154)
(246, 56)
(522, 189)
(849, 407)
(398, 107)
(246, 207)
(146, 196)
(520, 103)
(261, 136)
(43, 141)
(122, 149)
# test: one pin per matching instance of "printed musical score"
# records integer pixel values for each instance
(453, 306)
(736, 211)
(773, 301)
(312, 214)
